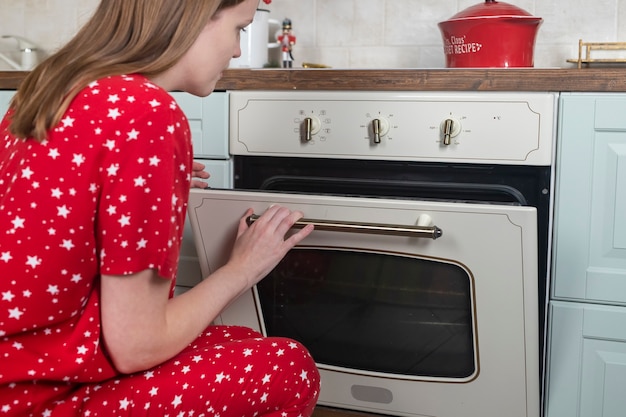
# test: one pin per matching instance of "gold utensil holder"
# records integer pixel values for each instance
(588, 47)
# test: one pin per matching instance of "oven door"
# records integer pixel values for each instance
(408, 307)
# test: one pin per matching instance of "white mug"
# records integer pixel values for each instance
(255, 42)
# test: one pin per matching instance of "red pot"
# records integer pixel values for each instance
(490, 34)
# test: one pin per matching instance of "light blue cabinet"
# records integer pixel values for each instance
(208, 120)
(5, 98)
(587, 372)
(587, 329)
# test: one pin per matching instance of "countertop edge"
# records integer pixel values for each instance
(603, 79)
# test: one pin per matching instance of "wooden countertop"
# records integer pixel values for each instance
(609, 79)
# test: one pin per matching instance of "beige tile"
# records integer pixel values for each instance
(356, 33)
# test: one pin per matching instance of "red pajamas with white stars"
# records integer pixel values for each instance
(106, 193)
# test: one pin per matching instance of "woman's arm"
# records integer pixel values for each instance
(142, 327)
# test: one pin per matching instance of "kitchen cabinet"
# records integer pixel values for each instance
(587, 328)
(208, 120)
(5, 98)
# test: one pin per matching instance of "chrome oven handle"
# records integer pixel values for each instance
(432, 232)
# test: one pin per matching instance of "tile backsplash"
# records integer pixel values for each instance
(354, 33)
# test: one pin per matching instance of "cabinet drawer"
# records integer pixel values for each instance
(208, 120)
(5, 98)
(587, 360)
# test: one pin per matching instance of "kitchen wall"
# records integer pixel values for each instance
(355, 33)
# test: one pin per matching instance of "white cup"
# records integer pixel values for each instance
(255, 41)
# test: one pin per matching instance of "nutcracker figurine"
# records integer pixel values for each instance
(287, 41)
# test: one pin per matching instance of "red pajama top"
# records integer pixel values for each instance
(106, 193)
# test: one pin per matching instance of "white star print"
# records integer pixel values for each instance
(112, 170)
(114, 113)
(67, 121)
(63, 211)
(53, 289)
(133, 135)
(18, 222)
(178, 400)
(78, 159)
(15, 313)
(33, 261)
(155, 103)
(124, 404)
(57, 193)
(54, 153)
(110, 144)
(140, 182)
(6, 257)
(113, 98)
(220, 377)
(67, 244)
(124, 221)
(7, 296)
(27, 173)
(154, 161)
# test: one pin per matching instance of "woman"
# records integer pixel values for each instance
(95, 169)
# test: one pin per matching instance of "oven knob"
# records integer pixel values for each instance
(312, 126)
(380, 127)
(450, 128)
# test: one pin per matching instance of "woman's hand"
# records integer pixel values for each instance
(197, 171)
(261, 246)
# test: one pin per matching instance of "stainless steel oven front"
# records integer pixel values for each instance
(421, 291)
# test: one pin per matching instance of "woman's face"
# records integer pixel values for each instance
(201, 67)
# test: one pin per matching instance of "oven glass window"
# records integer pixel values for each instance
(373, 311)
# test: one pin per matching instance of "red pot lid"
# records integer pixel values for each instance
(492, 8)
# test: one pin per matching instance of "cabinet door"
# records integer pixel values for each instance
(587, 361)
(189, 273)
(208, 120)
(5, 97)
(590, 219)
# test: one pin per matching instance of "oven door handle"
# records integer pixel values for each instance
(432, 232)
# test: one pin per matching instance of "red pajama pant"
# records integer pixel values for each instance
(228, 371)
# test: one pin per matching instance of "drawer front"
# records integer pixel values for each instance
(208, 120)
(587, 360)
(5, 98)
(189, 273)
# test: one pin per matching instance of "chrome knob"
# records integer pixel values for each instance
(380, 127)
(450, 128)
(311, 126)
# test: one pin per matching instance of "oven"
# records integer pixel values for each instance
(421, 291)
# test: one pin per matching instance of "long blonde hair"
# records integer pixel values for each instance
(122, 37)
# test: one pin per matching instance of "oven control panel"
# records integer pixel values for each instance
(470, 127)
